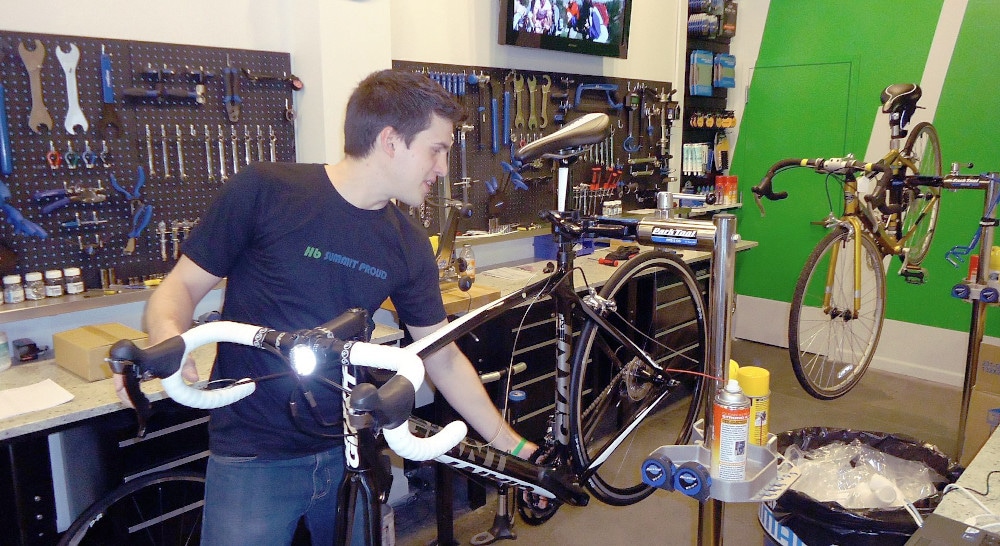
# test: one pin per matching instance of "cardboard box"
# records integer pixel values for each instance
(988, 369)
(984, 415)
(83, 350)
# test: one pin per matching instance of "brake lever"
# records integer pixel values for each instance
(760, 205)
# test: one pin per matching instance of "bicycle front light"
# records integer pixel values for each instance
(303, 359)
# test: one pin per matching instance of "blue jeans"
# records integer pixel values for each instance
(249, 501)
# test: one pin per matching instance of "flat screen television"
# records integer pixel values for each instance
(592, 27)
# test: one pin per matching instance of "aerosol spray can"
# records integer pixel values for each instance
(731, 428)
(754, 381)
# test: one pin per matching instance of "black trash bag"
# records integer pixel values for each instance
(822, 523)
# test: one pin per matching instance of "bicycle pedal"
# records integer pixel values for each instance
(913, 275)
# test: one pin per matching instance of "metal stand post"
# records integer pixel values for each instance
(978, 323)
(720, 306)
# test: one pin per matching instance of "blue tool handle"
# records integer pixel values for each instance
(44, 194)
(55, 205)
(6, 157)
(107, 90)
(141, 220)
(506, 118)
(494, 126)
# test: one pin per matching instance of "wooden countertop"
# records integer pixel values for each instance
(456, 301)
(91, 399)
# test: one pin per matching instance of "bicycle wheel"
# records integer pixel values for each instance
(618, 400)
(160, 508)
(922, 204)
(830, 345)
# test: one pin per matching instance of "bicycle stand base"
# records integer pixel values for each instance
(503, 521)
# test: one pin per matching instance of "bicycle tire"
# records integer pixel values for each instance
(831, 350)
(160, 508)
(609, 388)
(923, 147)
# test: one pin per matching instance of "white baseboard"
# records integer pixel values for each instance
(914, 350)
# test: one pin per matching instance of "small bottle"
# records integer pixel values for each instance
(470, 261)
(74, 282)
(4, 352)
(34, 286)
(54, 283)
(13, 292)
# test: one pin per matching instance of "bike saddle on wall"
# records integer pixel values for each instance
(589, 129)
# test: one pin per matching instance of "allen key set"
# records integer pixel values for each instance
(175, 121)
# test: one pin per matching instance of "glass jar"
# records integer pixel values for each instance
(34, 286)
(469, 257)
(74, 282)
(13, 292)
(54, 283)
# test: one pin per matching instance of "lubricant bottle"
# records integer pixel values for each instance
(730, 432)
(755, 381)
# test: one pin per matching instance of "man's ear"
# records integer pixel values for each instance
(388, 139)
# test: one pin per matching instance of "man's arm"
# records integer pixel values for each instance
(170, 308)
(458, 381)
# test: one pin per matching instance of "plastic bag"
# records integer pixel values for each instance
(818, 523)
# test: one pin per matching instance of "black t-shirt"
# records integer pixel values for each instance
(296, 255)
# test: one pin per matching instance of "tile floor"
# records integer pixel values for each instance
(882, 401)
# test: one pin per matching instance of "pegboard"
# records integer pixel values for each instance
(643, 163)
(154, 85)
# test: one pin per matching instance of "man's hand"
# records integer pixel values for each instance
(189, 372)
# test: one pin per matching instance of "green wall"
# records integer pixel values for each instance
(855, 52)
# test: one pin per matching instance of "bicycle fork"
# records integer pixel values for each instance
(831, 272)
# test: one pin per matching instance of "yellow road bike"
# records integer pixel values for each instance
(838, 305)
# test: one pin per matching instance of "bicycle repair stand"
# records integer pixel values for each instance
(978, 291)
(685, 468)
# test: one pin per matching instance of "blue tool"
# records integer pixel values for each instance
(67, 195)
(608, 89)
(6, 158)
(514, 176)
(491, 185)
(16, 219)
(141, 212)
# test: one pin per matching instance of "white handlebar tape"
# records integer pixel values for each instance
(410, 366)
(402, 361)
(212, 332)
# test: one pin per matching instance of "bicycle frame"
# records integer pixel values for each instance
(484, 460)
(859, 217)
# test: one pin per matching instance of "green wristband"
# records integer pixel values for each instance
(520, 445)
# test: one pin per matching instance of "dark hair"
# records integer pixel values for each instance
(398, 99)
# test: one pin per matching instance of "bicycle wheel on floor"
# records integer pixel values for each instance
(923, 148)
(160, 508)
(830, 344)
(616, 397)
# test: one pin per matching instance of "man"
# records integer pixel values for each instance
(299, 244)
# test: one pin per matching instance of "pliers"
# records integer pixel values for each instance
(70, 194)
(141, 212)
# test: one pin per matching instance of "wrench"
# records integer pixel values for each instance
(274, 142)
(208, 155)
(519, 100)
(166, 152)
(74, 116)
(532, 103)
(222, 155)
(180, 153)
(149, 152)
(234, 141)
(246, 144)
(33, 60)
(545, 100)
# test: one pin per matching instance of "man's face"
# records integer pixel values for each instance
(418, 166)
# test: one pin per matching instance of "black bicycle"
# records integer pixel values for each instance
(628, 382)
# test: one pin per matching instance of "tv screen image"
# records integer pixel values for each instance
(595, 27)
